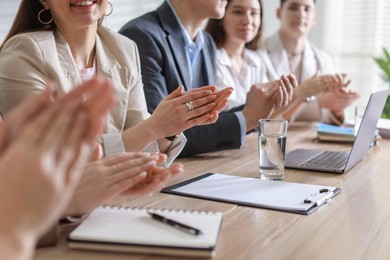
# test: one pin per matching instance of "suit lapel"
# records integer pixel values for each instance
(106, 63)
(67, 63)
(179, 54)
(108, 67)
(175, 41)
(208, 67)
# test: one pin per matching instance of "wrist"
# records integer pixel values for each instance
(296, 94)
(74, 210)
(251, 123)
(299, 94)
(151, 129)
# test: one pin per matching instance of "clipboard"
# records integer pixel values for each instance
(283, 196)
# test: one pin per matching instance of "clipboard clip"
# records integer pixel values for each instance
(323, 200)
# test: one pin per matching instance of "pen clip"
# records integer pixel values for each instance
(321, 201)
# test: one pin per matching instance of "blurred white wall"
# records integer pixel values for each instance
(270, 22)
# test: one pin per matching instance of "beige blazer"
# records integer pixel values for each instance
(275, 59)
(29, 61)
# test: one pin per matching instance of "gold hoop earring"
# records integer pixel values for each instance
(112, 9)
(40, 19)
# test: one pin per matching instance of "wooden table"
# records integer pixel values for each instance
(354, 225)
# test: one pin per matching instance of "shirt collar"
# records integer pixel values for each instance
(250, 57)
(198, 43)
(223, 58)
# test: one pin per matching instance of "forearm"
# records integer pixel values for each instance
(14, 246)
(289, 111)
(308, 111)
(140, 136)
(298, 95)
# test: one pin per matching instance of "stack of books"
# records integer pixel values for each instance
(343, 134)
(333, 133)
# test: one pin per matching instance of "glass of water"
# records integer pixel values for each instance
(272, 148)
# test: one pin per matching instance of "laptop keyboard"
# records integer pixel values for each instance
(328, 159)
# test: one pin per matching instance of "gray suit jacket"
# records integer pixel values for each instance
(164, 67)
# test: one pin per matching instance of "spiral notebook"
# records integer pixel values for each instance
(133, 230)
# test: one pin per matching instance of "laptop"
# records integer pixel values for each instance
(342, 161)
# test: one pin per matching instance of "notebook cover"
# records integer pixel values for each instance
(133, 230)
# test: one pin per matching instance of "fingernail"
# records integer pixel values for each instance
(155, 156)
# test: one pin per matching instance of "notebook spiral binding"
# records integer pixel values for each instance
(148, 209)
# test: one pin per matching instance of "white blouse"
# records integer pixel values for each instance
(252, 72)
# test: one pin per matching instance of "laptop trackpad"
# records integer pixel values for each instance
(299, 156)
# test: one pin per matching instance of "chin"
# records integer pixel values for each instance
(302, 33)
(298, 32)
(218, 13)
(245, 39)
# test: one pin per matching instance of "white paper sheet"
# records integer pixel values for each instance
(287, 196)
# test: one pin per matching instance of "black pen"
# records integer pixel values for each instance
(176, 224)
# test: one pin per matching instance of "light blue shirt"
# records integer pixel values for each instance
(193, 49)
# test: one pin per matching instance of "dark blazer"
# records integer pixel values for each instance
(164, 67)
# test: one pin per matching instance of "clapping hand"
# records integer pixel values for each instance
(319, 84)
(180, 111)
(44, 147)
(263, 99)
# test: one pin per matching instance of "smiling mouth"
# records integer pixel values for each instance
(299, 23)
(83, 3)
(246, 30)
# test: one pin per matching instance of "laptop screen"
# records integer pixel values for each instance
(365, 134)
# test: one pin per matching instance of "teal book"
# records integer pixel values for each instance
(333, 133)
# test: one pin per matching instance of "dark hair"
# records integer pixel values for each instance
(283, 1)
(26, 19)
(215, 29)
